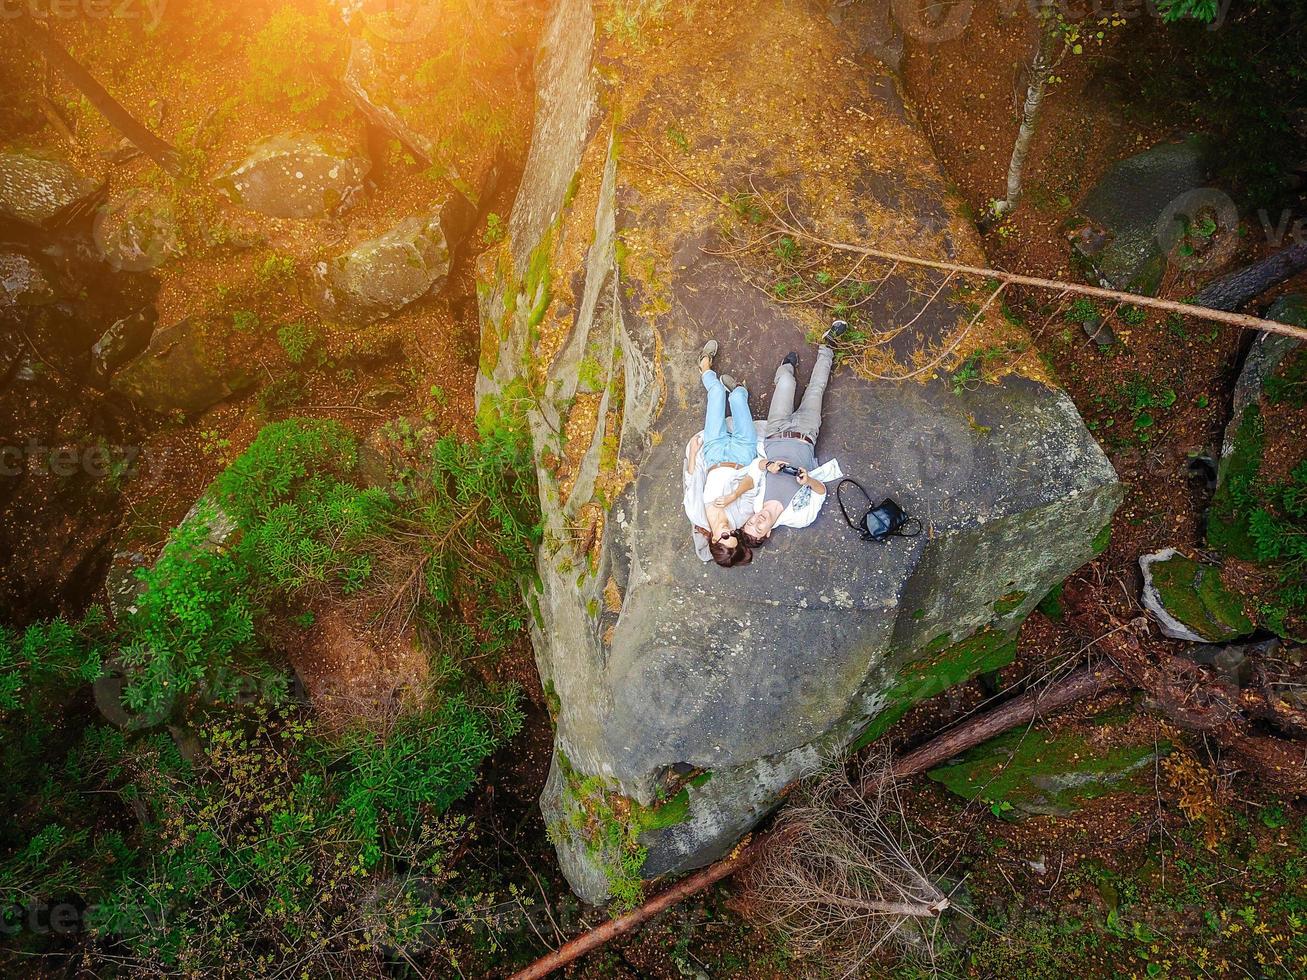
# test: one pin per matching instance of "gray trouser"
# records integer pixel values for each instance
(782, 416)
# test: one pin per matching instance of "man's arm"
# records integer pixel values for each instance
(806, 479)
(804, 506)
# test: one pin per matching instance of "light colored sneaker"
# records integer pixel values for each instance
(837, 330)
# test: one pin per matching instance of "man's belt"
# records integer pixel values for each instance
(732, 466)
(795, 435)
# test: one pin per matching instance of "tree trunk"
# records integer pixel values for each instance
(152, 146)
(1239, 287)
(1040, 68)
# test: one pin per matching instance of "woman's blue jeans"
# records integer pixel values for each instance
(719, 445)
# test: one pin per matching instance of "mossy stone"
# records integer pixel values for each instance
(1033, 772)
(1194, 594)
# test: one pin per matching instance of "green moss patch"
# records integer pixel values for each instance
(1195, 595)
(948, 666)
(1235, 500)
(1033, 772)
(1051, 605)
(1009, 603)
(1102, 539)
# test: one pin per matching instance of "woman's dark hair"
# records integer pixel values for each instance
(752, 540)
(728, 556)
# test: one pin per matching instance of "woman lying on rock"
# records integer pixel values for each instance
(792, 485)
(719, 490)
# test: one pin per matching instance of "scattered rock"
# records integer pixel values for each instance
(23, 282)
(297, 176)
(383, 275)
(122, 341)
(1189, 601)
(382, 396)
(1125, 208)
(1034, 772)
(1097, 330)
(1264, 356)
(137, 231)
(1232, 661)
(122, 586)
(184, 367)
(1290, 308)
(37, 190)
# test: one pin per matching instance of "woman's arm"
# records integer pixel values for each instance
(741, 488)
(692, 452)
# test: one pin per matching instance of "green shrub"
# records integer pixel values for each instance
(295, 58)
(194, 620)
(297, 340)
(54, 654)
(286, 851)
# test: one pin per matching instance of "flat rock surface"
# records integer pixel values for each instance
(36, 189)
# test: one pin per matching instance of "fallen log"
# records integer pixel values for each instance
(1232, 291)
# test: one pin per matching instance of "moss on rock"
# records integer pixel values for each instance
(1227, 527)
(1025, 772)
(987, 650)
(1195, 595)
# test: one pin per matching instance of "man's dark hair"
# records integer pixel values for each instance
(728, 556)
(752, 540)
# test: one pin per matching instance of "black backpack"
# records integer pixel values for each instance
(881, 521)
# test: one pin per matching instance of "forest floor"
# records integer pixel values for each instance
(1127, 886)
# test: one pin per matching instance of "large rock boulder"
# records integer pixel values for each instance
(37, 189)
(183, 367)
(137, 231)
(297, 176)
(383, 275)
(1151, 205)
(687, 696)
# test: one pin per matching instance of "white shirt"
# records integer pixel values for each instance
(701, 486)
(806, 504)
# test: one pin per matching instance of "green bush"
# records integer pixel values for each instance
(48, 655)
(289, 851)
(297, 340)
(295, 58)
(271, 847)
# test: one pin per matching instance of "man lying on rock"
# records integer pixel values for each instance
(719, 491)
(792, 486)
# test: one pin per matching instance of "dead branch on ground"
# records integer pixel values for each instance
(842, 880)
